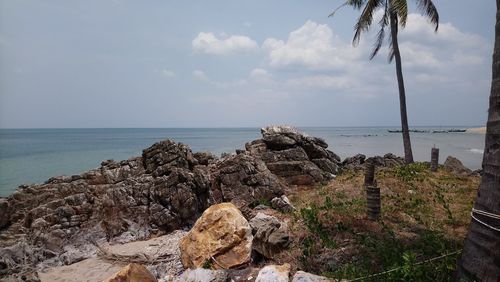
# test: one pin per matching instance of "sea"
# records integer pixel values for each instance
(34, 155)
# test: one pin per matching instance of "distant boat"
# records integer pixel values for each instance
(411, 130)
(428, 131)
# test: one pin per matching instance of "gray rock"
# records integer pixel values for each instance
(248, 274)
(205, 158)
(243, 179)
(455, 165)
(294, 156)
(270, 235)
(282, 204)
(202, 275)
(274, 273)
(301, 276)
(327, 165)
(164, 190)
(355, 162)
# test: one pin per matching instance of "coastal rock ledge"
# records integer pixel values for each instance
(68, 218)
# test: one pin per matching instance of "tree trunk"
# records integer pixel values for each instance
(481, 255)
(401, 85)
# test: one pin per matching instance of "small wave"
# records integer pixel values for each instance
(477, 151)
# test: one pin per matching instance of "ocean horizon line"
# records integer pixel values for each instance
(244, 127)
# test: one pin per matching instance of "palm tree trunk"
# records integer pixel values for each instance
(481, 255)
(401, 85)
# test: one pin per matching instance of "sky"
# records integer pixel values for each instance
(235, 63)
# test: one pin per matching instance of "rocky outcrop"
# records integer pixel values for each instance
(274, 273)
(221, 238)
(454, 165)
(294, 156)
(270, 235)
(243, 180)
(163, 190)
(357, 162)
(132, 273)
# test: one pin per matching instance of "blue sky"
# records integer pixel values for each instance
(118, 63)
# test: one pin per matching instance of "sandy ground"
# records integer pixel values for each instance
(480, 130)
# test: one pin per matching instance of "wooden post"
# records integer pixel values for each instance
(372, 192)
(434, 159)
(373, 202)
(369, 173)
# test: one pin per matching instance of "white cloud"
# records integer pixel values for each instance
(207, 42)
(260, 75)
(312, 46)
(200, 75)
(168, 73)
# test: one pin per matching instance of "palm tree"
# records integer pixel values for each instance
(395, 13)
(481, 255)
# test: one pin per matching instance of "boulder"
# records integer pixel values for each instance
(221, 238)
(301, 276)
(294, 156)
(454, 165)
(282, 204)
(245, 180)
(202, 275)
(132, 273)
(274, 273)
(355, 162)
(270, 235)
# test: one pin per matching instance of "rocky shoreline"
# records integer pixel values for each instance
(70, 223)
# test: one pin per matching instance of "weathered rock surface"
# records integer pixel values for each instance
(294, 156)
(248, 274)
(282, 204)
(354, 162)
(221, 237)
(161, 255)
(455, 165)
(163, 190)
(357, 162)
(132, 273)
(243, 180)
(202, 275)
(92, 269)
(274, 273)
(301, 276)
(270, 235)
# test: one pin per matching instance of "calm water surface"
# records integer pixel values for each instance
(34, 155)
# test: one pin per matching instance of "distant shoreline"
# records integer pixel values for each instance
(479, 130)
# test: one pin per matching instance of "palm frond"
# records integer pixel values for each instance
(428, 9)
(400, 7)
(384, 21)
(365, 20)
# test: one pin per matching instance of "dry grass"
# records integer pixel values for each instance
(424, 215)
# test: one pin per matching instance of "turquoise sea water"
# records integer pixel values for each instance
(34, 155)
